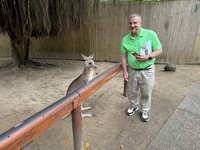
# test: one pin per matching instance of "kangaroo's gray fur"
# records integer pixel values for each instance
(87, 75)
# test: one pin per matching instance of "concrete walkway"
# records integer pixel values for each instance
(182, 130)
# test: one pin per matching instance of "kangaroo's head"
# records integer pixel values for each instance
(89, 62)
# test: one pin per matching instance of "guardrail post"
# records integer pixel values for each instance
(77, 128)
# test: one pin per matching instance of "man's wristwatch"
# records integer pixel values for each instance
(150, 58)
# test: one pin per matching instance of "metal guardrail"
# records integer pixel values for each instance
(22, 134)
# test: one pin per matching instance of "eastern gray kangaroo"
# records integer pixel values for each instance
(87, 75)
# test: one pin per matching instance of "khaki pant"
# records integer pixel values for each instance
(142, 81)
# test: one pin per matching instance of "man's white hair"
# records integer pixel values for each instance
(136, 15)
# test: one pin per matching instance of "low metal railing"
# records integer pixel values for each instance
(22, 134)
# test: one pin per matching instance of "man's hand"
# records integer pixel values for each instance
(125, 75)
(142, 57)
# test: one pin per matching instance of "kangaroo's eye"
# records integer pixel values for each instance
(90, 63)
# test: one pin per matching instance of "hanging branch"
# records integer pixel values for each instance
(23, 19)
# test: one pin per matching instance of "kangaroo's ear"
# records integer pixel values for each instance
(91, 56)
(84, 57)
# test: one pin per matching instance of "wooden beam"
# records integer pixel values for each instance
(20, 135)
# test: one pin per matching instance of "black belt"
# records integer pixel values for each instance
(146, 68)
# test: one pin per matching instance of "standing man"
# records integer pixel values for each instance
(139, 49)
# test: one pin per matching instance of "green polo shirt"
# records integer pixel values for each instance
(130, 45)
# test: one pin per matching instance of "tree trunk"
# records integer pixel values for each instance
(20, 50)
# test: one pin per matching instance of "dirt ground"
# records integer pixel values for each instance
(28, 90)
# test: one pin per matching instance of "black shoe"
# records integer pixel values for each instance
(131, 110)
(145, 116)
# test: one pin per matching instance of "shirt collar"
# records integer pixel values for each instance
(140, 35)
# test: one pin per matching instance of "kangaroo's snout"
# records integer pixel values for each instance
(95, 67)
